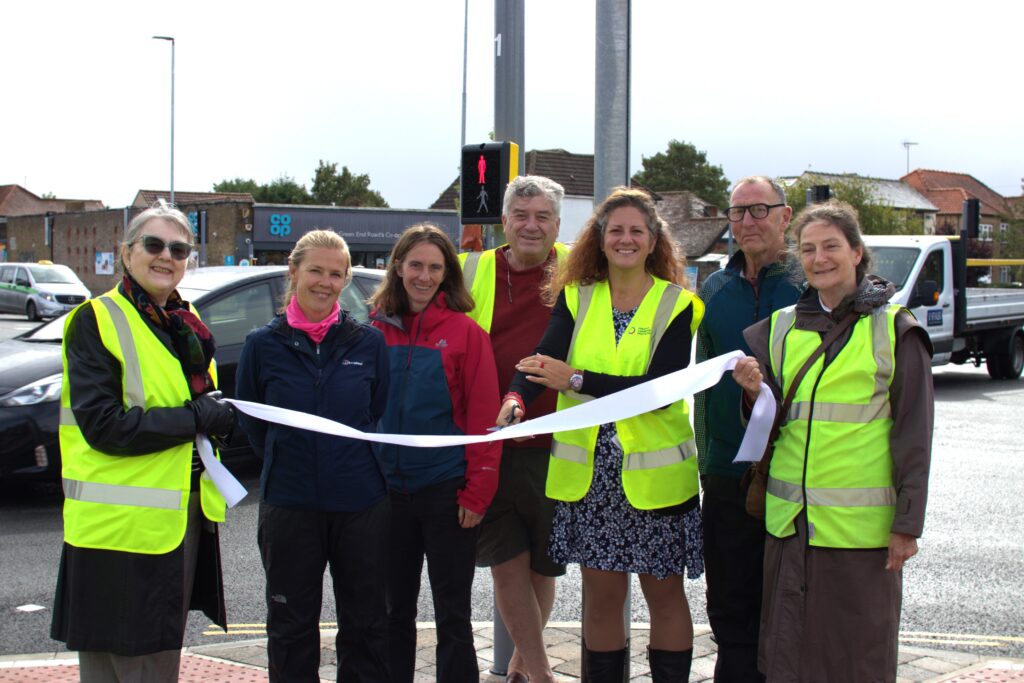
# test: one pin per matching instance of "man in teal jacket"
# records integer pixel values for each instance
(759, 279)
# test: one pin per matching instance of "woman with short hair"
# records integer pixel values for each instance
(140, 534)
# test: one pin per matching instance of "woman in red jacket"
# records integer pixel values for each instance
(443, 381)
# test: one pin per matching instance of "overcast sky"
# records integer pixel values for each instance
(269, 89)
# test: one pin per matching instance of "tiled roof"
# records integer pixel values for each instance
(574, 172)
(697, 236)
(894, 193)
(147, 198)
(928, 181)
(15, 200)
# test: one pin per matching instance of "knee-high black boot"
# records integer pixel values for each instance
(605, 667)
(668, 666)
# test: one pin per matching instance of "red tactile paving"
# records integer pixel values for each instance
(193, 670)
(990, 675)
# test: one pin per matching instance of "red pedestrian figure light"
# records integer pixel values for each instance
(481, 168)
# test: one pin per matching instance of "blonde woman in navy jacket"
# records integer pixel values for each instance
(443, 381)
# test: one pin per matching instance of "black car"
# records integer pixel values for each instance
(231, 300)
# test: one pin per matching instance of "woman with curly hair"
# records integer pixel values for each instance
(627, 490)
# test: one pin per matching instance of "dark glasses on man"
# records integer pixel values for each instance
(155, 246)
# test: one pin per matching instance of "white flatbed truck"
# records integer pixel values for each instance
(965, 324)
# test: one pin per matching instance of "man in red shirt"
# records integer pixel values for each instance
(505, 283)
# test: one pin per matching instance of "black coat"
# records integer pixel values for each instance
(127, 603)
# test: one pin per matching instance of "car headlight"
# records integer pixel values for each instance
(48, 296)
(40, 391)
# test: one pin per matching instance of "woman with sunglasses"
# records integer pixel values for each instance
(140, 540)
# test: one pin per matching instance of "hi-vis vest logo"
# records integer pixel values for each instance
(642, 331)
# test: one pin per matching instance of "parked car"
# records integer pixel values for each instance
(231, 300)
(40, 290)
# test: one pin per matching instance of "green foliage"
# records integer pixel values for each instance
(284, 190)
(684, 167)
(344, 189)
(875, 218)
(238, 185)
(329, 187)
(48, 195)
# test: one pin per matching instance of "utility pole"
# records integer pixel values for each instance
(611, 97)
(171, 39)
(907, 145)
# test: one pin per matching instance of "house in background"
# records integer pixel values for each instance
(15, 201)
(948, 190)
(886, 192)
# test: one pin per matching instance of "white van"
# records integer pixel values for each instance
(39, 290)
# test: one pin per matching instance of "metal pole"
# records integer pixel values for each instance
(611, 155)
(611, 97)
(465, 52)
(509, 125)
(171, 39)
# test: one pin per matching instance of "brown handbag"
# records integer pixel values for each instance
(755, 479)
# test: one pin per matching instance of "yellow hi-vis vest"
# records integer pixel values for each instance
(479, 271)
(659, 467)
(138, 503)
(832, 455)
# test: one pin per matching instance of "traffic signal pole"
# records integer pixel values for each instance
(509, 124)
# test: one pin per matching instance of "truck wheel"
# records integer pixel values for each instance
(994, 365)
(1013, 362)
(31, 311)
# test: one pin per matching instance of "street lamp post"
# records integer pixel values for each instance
(171, 39)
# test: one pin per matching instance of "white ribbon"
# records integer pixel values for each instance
(642, 398)
(225, 482)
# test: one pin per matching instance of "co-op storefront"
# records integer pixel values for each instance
(369, 232)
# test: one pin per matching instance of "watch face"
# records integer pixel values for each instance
(576, 382)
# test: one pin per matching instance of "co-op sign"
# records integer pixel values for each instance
(357, 226)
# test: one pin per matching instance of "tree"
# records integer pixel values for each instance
(239, 185)
(329, 187)
(683, 167)
(284, 190)
(875, 218)
(344, 189)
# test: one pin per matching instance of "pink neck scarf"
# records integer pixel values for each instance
(316, 331)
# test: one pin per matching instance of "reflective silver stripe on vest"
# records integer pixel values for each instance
(584, 295)
(67, 417)
(663, 458)
(469, 269)
(783, 323)
(568, 451)
(822, 497)
(112, 494)
(663, 315)
(878, 408)
(134, 395)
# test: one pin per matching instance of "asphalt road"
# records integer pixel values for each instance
(964, 591)
(11, 325)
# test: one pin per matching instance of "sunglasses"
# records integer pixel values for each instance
(155, 246)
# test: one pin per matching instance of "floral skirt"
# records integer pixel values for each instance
(603, 531)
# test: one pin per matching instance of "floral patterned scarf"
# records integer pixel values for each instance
(190, 338)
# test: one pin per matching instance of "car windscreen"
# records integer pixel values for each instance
(894, 263)
(54, 275)
(52, 331)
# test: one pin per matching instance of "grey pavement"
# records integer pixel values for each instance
(246, 660)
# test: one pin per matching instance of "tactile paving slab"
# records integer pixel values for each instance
(193, 670)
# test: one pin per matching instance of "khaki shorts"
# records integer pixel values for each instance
(519, 517)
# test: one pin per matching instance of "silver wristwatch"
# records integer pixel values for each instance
(576, 380)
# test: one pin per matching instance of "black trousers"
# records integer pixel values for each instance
(296, 546)
(734, 565)
(426, 523)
